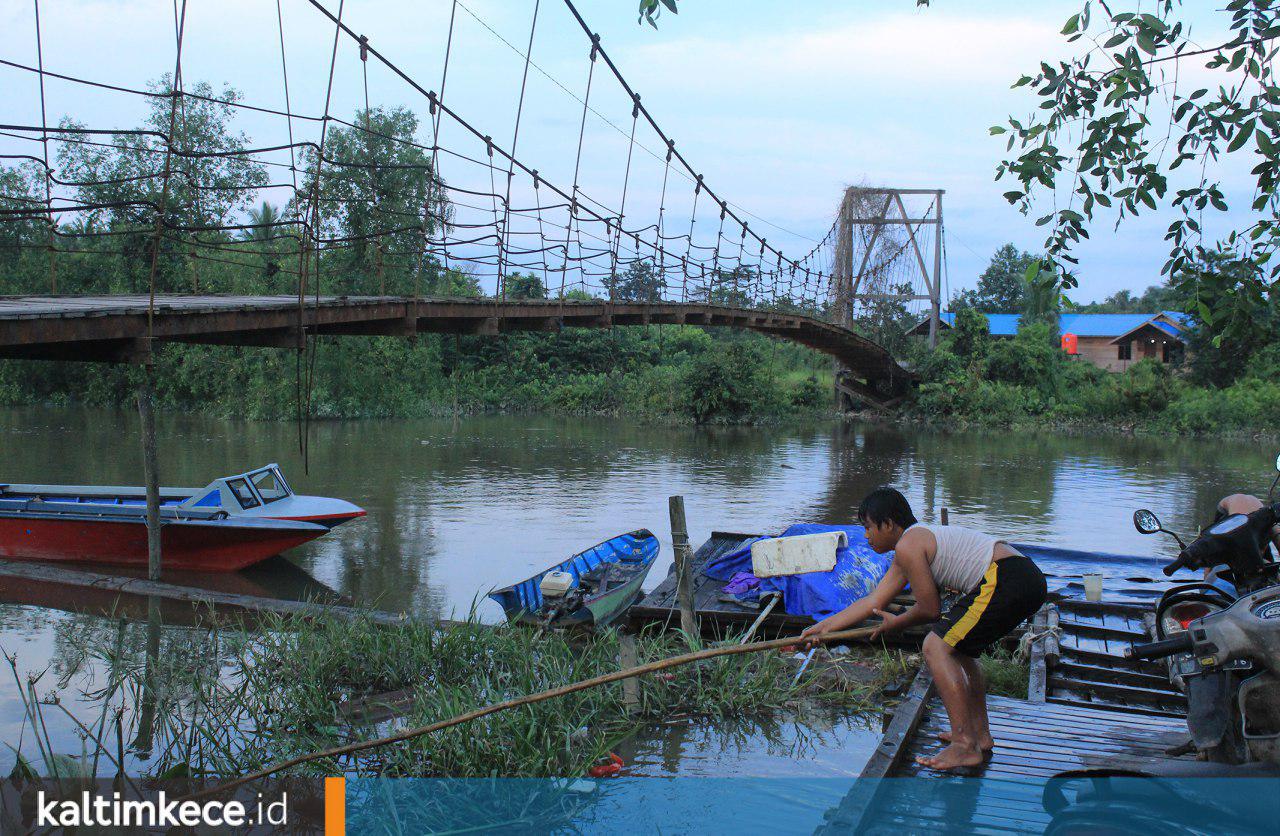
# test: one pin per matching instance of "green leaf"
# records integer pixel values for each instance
(22, 770)
(178, 770)
(1264, 144)
(1241, 137)
(996, 130)
(1073, 25)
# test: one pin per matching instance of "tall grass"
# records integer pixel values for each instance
(225, 702)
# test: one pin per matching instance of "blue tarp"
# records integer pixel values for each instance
(857, 571)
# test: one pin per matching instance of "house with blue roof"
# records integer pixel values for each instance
(1109, 341)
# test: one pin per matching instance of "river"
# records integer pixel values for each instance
(457, 507)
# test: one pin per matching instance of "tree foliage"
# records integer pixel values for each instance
(1002, 286)
(640, 282)
(1101, 136)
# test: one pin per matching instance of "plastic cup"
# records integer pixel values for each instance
(1093, 587)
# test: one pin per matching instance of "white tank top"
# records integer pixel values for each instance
(962, 557)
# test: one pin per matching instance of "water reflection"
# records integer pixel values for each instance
(825, 744)
(459, 507)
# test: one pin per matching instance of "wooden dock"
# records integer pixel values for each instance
(1087, 708)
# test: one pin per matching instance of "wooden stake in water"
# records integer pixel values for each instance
(684, 569)
(146, 412)
(628, 657)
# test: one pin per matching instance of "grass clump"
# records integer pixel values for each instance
(229, 701)
(1006, 675)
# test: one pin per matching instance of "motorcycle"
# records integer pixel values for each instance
(1222, 635)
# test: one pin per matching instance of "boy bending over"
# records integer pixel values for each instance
(1003, 588)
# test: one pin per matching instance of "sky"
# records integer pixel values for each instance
(778, 105)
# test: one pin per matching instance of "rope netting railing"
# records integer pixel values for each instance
(218, 193)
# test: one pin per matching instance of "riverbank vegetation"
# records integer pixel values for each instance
(1226, 382)
(1028, 382)
(220, 237)
(232, 700)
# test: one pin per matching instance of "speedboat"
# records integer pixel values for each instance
(231, 523)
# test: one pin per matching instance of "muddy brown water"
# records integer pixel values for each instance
(457, 507)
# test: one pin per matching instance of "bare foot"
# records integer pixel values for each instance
(955, 756)
(986, 744)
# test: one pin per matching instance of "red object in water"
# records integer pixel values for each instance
(1070, 344)
(607, 770)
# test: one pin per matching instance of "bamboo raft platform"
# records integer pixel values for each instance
(1087, 707)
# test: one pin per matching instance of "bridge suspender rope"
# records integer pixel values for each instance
(760, 276)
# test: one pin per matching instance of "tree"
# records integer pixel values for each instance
(265, 235)
(211, 178)
(524, 286)
(640, 282)
(379, 202)
(1002, 287)
(1100, 140)
(886, 320)
(970, 337)
(1042, 303)
(1156, 298)
(19, 233)
(1221, 354)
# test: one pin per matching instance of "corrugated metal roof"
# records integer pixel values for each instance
(1082, 325)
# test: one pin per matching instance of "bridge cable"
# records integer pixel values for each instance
(48, 172)
(314, 221)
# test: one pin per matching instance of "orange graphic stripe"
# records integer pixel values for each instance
(335, 807)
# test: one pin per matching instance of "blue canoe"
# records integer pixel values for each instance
(606, 581)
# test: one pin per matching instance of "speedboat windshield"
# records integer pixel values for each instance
(269, 484)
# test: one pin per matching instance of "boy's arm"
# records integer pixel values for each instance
(914, 565)
(860, 610)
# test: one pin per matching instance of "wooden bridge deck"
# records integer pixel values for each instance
(117, 328)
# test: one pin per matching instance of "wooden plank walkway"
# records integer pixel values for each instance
(1089, 725)
(118, 328)
(1034, 742)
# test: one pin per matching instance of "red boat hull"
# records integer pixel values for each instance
(195, 545)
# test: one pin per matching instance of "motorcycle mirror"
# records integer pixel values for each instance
(1146, 521)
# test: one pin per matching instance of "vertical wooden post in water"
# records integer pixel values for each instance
(629, 658)
(684, 571)
(946, 518)
(147, 413)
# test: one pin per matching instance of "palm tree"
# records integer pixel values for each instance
(263, 221)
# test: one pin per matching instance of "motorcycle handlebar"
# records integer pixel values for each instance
(1180, 643)
(1176, 565)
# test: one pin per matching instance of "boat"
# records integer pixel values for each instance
(600, 583)
(233, 522)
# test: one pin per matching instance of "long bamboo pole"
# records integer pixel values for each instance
(529, 699)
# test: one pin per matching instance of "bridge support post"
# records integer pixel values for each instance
(146, 412)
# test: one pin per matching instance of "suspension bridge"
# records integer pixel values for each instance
(116, 239)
